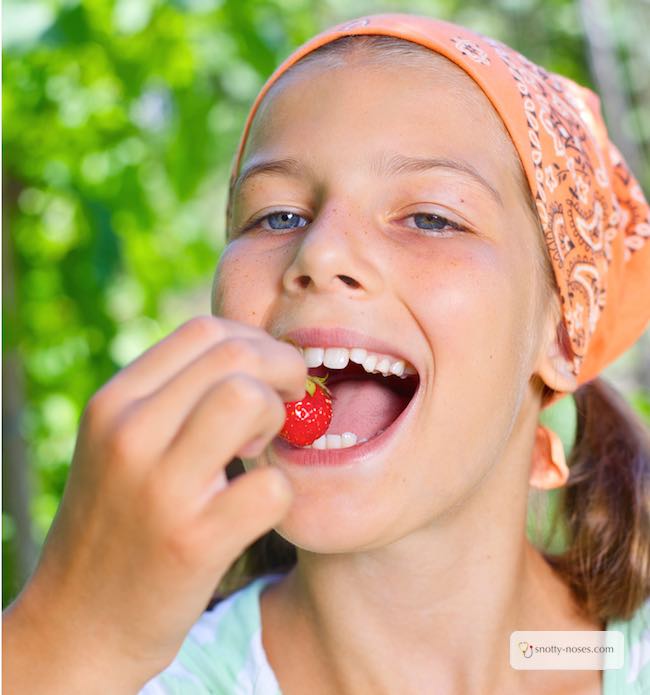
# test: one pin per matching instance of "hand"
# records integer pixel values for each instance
(148, 524)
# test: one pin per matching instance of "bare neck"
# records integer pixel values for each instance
(403, 616)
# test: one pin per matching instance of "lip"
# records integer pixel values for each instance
(337, 336)
(350, 456)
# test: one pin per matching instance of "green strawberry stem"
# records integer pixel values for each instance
(310, 386)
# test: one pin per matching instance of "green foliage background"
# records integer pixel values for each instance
(120, 123)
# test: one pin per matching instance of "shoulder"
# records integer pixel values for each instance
(222, 653)
(634, 677)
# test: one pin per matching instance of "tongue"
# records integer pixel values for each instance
(364, 406)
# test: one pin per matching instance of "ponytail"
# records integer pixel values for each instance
(605, 506)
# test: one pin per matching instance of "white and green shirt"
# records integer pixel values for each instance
(223, 653)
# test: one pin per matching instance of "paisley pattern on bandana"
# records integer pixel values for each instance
(471, 49)
(578, 220)
(594, 216)
(581, 209)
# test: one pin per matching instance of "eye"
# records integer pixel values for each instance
(285, 220)
(280, 220)
(430, 222)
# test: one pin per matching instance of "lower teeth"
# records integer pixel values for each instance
(340, 441)
(334, 441)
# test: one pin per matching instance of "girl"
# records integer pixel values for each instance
(408, 199)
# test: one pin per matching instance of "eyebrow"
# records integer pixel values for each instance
(385, 163)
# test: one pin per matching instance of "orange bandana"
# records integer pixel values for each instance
(595, 218)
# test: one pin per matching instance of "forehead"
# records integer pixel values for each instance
(422, 107)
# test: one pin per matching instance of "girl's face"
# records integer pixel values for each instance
(367, 248)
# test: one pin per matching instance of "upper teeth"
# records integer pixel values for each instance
(373, 362)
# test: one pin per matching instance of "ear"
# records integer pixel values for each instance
(553, 365)
(549, 469)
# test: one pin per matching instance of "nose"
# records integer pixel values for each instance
(334, 256)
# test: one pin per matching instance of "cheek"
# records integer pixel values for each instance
(242, 288)
(473, 304)
(466, 289)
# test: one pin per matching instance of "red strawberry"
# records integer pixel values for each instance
(308, 418)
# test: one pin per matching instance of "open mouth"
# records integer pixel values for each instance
(364, 404)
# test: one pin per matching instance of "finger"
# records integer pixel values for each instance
(161, 361)
(232, 413)
(250, 506)
(278, 364)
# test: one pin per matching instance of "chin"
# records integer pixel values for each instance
(324, 525)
